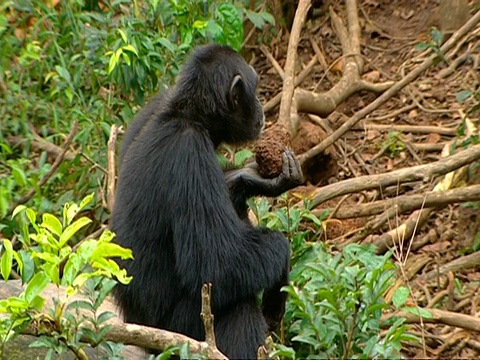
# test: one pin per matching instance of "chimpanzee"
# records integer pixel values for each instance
(186, 221)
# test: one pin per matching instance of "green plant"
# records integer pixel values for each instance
(46, 258)
(434, 45)
(335, 306)
(393, 144)
(298, 222)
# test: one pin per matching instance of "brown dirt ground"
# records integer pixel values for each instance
(390, 30)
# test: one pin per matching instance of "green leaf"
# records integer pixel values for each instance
(18, 210)
(126, 58)
(476, 242)
(86, 201)
(86, 249)
(80, 304)
(19, 175)
(229, 19)
(31, 216)
(52, 270)
(36, 286)
(72, 267)
(167, 44)
(400, 296)
(52, 224)
(112, 64)
(107, 250)
(7, 258)
(437, 36)
(242, 156)
(214, 29)
(131, 49)
(123, 35)
(267, 17)
(107, 236)
(73, 229)
(418, 311)
(464, 95)
(28, 265)
(422, 46)
(200, 24)
(255, 18)
(105, 316)
(63, 73)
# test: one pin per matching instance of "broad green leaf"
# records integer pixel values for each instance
(86, 201)
(73, 229)
(131, 49)
(267, 17)
(81, 279)
(19, 175)
(418, 311)
(7, 257)
(36, 286)
(126, 58)
(242, 156)
(37, 303)
(72, 267)
(52, 224)
(214, 29)
(86, 249)
(80, 304)
(12, 303)
(105, 316)
(106, 249)
(107, 236)
(19, 261)
(400, 296)
(18, 210)
(255, 18)
(167, 44)
(31, 216)
(52, 270)
(28, 265)
(231, 22)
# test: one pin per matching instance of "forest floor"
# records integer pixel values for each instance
(381, 143)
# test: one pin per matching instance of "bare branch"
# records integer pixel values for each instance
(407, 203)
(111, 172)
(416, 173)
(289, 79)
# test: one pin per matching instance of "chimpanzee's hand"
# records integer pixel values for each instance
(252, 184)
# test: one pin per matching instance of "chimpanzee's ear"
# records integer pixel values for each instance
(236, 88)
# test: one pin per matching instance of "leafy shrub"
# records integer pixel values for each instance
(335, 299)
(46, 258)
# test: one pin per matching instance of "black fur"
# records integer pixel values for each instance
(175, 211)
